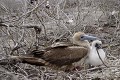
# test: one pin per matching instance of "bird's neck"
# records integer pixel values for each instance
(84, 43)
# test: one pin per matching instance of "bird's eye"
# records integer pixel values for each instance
(82, 37)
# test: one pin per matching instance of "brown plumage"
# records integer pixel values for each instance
(64, 55)
(60, 54)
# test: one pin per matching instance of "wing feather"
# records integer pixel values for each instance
(65, 56)
(60, 45)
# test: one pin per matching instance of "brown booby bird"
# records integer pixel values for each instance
(61, 54)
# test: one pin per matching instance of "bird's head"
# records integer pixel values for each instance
(97, 44)
(80, 38)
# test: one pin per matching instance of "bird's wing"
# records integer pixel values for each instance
(39, 53)
(65, 55)
(60, 45)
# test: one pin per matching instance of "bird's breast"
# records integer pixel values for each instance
(94, 58)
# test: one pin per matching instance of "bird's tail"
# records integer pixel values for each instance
(30, 60)
(24, 59)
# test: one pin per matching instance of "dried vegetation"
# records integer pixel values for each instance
(21, 23)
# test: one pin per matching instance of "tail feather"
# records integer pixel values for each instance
(37, 53)
(30, 60)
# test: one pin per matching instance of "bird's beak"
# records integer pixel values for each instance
(89, 38)
(98, 46)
